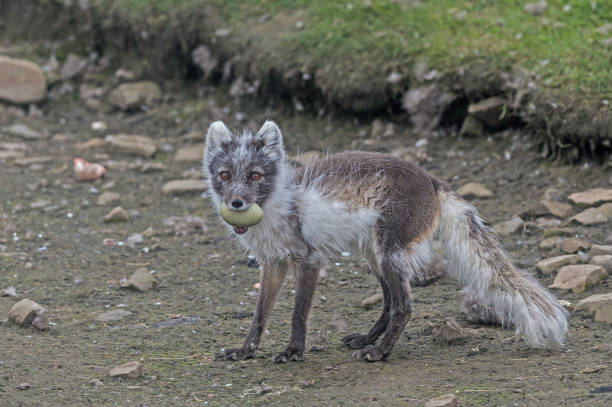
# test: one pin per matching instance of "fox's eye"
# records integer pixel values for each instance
(255, 176)
(224, 175)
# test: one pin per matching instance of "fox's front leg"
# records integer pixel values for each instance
(306, 274)
(270, 281)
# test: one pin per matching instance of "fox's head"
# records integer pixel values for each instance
(245, 168)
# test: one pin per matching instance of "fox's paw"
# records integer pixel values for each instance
(234, 354)
(290, 355)
(370, 354)
(356, 341)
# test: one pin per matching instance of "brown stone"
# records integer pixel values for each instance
(578, 277)
(509, 227)
(549, 265)
(555, 195)
(558, 209)
(603, 260)
(589, 217)
(600, 304)
(550, 242)
(474, 190)
(140, 280)
(598, 249)
(591, 197)
(21, 82)
(447, 400)
(131, 144)
(24, 312)
(107, 197)
(130, 96)
(450, 331)
(189, 154)
(372, 301)
(131, 370)
(573, 245)
(118, 214)
(183, 186)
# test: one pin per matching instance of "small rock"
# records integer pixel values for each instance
(550, 242)
(132, 370)
(591, 197)
(23, 131)
(130, 96)
(509, 227)
(131, 144)
(573, 245)
(183, 186)
(558, 209)
(589, 217)
(578, 277)
(96, 383)
(490, 112)
(447, 400)
(372, 301)
(185, 225)
(117, 215)
(600, 304)
(603, 260)
(597, 250)
(74, 66)
(450, 331)
(140, 280)
(21, 81)
(536, 9)
(472, 127)
(189, 154)
(23, 386)
(107, 198)
(152, 167)
(134, 239)
(24, 312)
(113, 315)
(555, 195)
(95, 142)
(547, 222)
(474, 190)
(9, 292)
(41, 321)
(549, 265)
(124, 75)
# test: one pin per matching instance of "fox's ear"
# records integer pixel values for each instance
(271, 136)
(218, 133)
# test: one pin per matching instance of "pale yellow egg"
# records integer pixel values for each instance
(241, 219)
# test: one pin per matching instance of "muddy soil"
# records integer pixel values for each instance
(56, 257)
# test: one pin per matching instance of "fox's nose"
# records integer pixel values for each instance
(237, 203)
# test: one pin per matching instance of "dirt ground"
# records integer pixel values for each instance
(56, 257)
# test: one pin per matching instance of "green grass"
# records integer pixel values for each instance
(561, 47)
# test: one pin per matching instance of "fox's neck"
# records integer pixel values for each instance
(281, 201)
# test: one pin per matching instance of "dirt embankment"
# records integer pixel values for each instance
(194, 44)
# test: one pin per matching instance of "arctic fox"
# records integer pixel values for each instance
(390, 210)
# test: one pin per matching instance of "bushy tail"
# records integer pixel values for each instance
(505, 294)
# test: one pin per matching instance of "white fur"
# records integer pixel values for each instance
(475, 270)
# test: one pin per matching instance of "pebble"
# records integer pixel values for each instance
(140, 280)
(474, 190)
(558, 209)
(96, 383)
(600, 304)
(578, 277)
(509, 227)
(147, 168)
(192, 153)
(183, 186)
(598, 249)
(603, 260)
(372, 301)
(9, 292)
(107, 198)
(589, 217)
(113, 315)
(447, 400)
(41, 321)
(95, 142)
(134, 239)
(132, 370)
(117, 215)
(591, 197)
(572, 245)
(23, 386)
(549, 265)
(131, 144)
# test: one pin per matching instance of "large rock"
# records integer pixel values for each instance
(183, 186)
(474, 190)
(589, 217)
(578, 277)
(603, 260)
(490, 111)
(599, 249)
(190, 153)
(591, 197)
(131, 144)
(21, 81)
(547, 266)
(558, 209)
(573, 245)
(600, 304)
(24, 312)
(509, 227)
(131, 370)
(130, 96)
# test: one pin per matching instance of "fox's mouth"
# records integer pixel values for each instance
(240, 230)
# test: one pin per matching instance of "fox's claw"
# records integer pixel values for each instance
(356, 341)
(234, 354)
